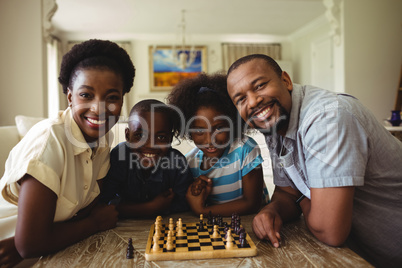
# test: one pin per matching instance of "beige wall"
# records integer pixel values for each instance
(21, 60)
(368, 60)
(373, 52)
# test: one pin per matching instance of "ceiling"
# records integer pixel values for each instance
(273, 17)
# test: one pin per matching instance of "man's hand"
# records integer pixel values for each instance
(267, 225)
(9, 256)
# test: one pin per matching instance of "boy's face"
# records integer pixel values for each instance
(210, 132)
(149, 136)
(96, 98)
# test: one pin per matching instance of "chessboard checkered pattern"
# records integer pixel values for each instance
(196, 244)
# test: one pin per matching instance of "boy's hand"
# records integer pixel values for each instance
(9, 256)
(163, 200)
(104, 217)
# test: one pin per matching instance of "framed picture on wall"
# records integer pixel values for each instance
(169, 65)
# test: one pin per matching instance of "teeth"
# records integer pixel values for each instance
(263, 113)
(93, 121)
(149, 155)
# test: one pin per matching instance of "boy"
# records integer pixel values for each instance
(146, 173)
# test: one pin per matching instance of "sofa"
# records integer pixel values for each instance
(11, 135)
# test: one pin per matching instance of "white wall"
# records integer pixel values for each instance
(368, 59)
(21, 65)
(373, 52)
(140, 54)
(301, 41)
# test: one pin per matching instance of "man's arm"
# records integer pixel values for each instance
(328, 214)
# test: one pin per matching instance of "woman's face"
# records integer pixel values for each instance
(95, 98)
(210, 131)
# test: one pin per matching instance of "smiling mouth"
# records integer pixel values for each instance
(149, 155)
(262, 114)
(211, 149)
(96, 122)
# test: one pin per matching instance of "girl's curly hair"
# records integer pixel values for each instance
(96, 53)
(188, 98)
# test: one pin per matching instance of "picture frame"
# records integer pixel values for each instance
(166, 69)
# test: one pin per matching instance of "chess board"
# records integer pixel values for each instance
(197, 245)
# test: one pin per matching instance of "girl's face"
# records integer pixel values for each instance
(96, 98)
(210, 131)
(149, 136)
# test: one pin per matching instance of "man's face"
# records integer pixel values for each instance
(262, 97)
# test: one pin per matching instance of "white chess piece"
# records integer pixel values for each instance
(215, 234)
(155, 246)
(229, 240)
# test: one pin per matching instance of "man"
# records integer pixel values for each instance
(332, 161)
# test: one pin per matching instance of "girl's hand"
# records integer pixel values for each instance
(9, 256)
(197, 202)
(199, 184)
(104, 217)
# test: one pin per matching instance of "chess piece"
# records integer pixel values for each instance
(215, 234)
(155, 245)
(158, 232)
(169, 241)
(226, 231)
(130, 249)
(171, 225)
(179, 229)
(229, 240)
(213, 220)
(209, 222)
(242, 239)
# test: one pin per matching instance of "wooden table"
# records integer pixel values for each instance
(299, 248)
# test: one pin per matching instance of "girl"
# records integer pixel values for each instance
(49, 188)
(225, 160)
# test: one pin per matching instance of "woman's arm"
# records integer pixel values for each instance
(36, 233)
(252, 184)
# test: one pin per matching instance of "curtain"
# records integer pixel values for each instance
(233, 51)
(56, 100)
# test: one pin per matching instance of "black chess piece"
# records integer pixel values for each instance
(201, 226)
(242, 239)
(240, 230)
(213, 220)
(226, 231)
(209, 222)
(130, 249)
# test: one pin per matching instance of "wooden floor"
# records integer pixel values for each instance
(108, 249)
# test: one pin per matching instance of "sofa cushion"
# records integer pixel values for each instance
(24, 123)
(9, 138)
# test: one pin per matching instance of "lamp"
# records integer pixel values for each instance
(180, 58)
